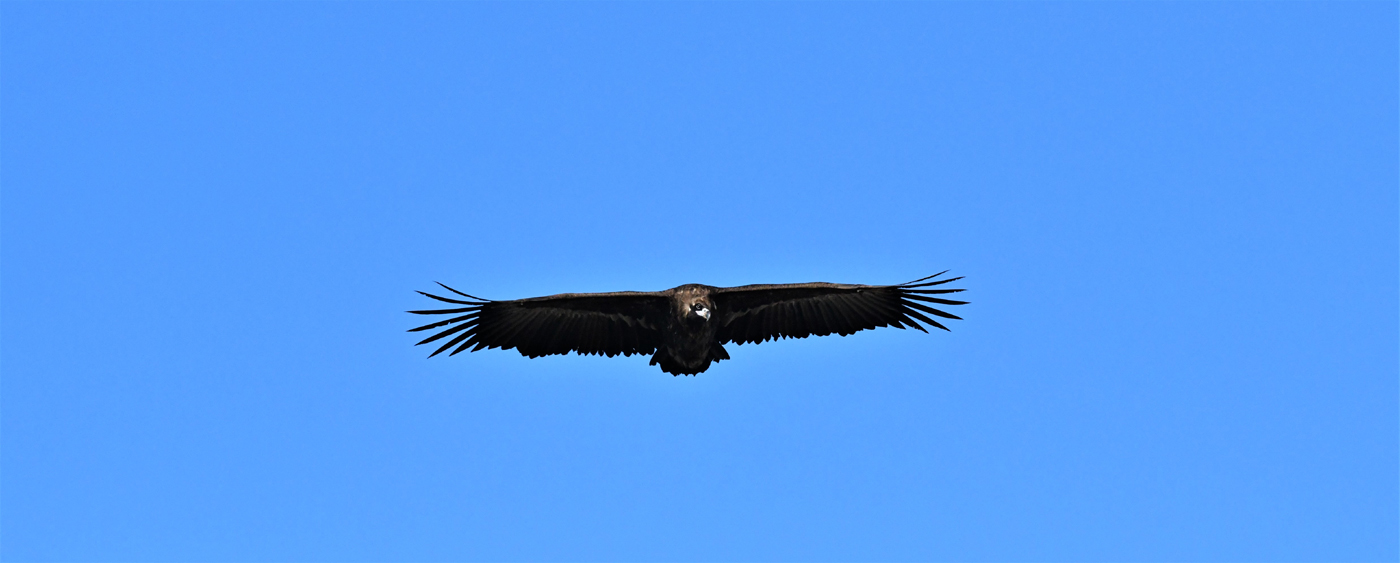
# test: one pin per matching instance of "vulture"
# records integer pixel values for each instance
(683, 329)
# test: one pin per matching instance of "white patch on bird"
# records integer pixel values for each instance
(704, 312)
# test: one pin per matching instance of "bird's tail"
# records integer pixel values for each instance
(669, 364)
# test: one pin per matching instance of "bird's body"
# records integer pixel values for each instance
(684, 328)
(688, 343)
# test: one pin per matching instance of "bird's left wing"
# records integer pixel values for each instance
(757, 313)
(624, 322)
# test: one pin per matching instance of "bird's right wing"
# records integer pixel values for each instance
(758, 313)
(626, 322)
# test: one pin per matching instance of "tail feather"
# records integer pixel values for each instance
(673, 367)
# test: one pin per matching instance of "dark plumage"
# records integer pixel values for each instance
(685, 328)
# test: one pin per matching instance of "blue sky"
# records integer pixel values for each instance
(1178, 223)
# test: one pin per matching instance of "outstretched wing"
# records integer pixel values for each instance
(626, 323)
(758, 313)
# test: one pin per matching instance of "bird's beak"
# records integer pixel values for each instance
(705, 313)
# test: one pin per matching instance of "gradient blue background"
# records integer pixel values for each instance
(1178, 223)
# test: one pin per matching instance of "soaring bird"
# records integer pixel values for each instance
(684, 328)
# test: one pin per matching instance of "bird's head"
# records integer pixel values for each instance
(699, 311)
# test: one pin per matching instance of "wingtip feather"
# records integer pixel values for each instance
(444, 286)
(925, 278)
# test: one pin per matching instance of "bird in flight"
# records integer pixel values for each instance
(685, 328)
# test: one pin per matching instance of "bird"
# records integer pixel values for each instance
(684, 328)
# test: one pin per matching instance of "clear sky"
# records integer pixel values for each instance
(1177, 223)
